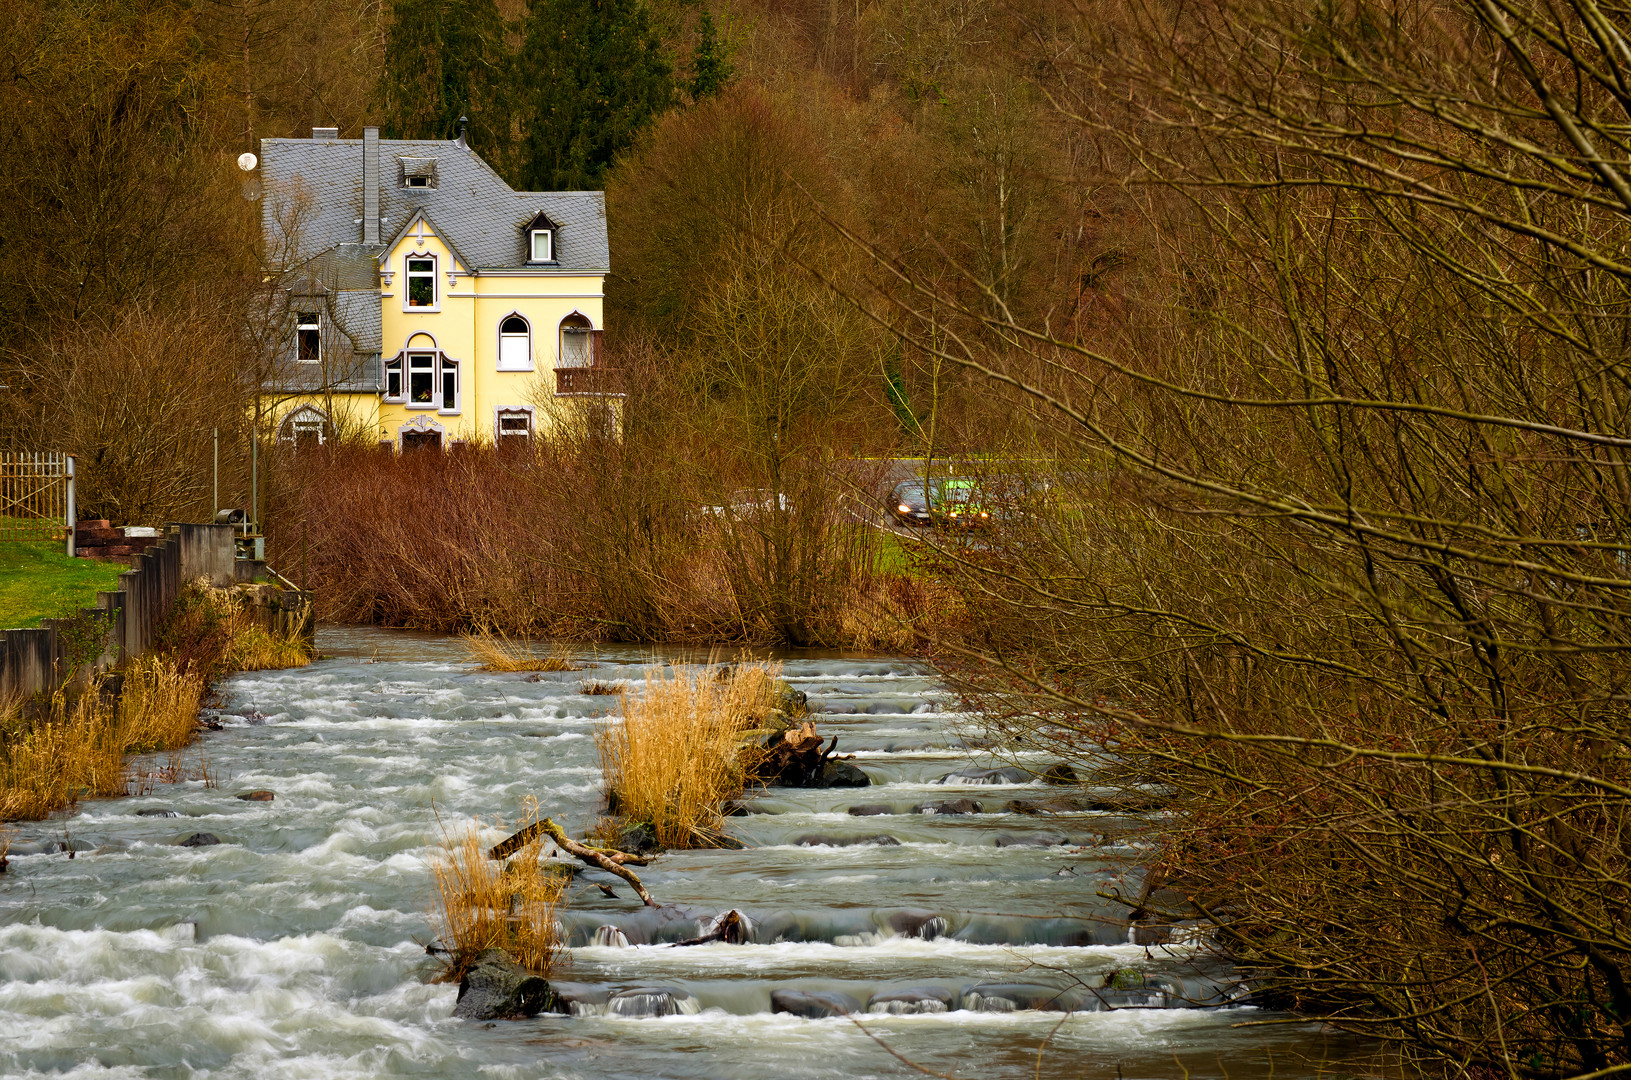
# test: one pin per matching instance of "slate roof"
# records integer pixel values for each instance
(318, 184)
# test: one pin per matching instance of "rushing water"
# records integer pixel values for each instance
(295, 948)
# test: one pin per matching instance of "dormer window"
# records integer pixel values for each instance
(543, 245)
(418, 172)
(308, 337)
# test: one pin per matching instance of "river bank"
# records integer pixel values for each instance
(295, 946)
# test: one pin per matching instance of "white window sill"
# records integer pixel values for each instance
(408, 309)
(429, 406)
(506, 370)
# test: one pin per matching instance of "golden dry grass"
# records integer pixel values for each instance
(484, 903)
(678, 752)
(77, 749)
(256, 649)
(499, 652)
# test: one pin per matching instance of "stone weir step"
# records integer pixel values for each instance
(673, 923)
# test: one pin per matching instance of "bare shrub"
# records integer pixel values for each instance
(1334, 555)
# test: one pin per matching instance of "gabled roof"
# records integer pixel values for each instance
(314, 189)
(417, 216)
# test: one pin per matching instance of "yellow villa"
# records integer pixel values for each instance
(421, 301)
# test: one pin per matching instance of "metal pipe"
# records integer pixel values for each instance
(254, 478)
(71, 508)
(215, 476)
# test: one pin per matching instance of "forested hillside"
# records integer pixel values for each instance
(725, 136)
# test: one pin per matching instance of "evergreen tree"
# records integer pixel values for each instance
(594, 75)
(710, 62)
(445, 59)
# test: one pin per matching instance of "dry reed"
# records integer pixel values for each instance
(77, 749)
(679, 751)
(483, 903)
(500, 652)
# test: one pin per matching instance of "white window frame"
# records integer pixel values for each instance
(301, 326)
(501, 411)
(561, 330)
(432, 355)
(304, 417)
(502, 337)
(444, 367)
(399, 361)
(408, 274)
(532, 245)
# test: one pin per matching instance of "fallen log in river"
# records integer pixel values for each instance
(609, 861)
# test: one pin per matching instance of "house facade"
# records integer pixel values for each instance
(419, 301)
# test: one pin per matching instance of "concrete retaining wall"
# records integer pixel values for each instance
(35, 661)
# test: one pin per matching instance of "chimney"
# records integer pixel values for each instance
(370, 185)
(464, 124)
(325, 133)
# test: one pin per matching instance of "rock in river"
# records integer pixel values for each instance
(261, 795)
(1008, 774)
(871, 809)
(199, 839)
(495, 987)
(820, 840)
(950, 806)
(915, 999)
(156, 811)
(841, 774)
(813, 1004)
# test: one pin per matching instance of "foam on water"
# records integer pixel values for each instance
(295, 947)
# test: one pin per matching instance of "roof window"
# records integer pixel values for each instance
(418, 172)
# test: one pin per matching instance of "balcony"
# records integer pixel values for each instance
(587, 381)
(582, 372)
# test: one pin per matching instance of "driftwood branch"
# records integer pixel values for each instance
(595, 858)
(527, 835)
(728, 929)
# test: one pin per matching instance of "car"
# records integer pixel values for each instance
(960, 504)
(911, 501)
(751, 502)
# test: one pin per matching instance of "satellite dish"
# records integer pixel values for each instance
(247, 162)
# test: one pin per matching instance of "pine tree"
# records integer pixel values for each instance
(710, 62)
(445, 59)
(594, 75)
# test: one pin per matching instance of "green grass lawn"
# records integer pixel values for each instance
(38, 581)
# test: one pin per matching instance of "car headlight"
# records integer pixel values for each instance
(905, 508)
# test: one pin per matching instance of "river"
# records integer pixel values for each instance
(295, 948)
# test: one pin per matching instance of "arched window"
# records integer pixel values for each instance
(305, 427)
(514, 344)
(575, 347)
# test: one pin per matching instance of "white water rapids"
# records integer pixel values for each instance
(295, 947)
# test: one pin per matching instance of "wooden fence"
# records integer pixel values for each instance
(36, 495)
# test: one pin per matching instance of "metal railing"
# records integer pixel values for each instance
(36, 496)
